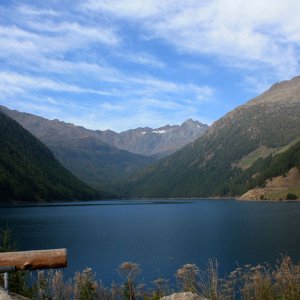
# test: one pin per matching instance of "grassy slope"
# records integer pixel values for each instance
(274, 175)
(263, 152)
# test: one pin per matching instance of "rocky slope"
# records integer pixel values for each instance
(160, 142)
(277, 188)
(29, 171)
(208, 166)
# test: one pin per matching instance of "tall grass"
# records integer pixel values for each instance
(261, 282)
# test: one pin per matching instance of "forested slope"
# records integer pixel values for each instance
(29, 171)
(208, 166)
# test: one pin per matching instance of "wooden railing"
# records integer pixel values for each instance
(31, 260)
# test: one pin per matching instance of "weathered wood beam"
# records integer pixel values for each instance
(34, 260)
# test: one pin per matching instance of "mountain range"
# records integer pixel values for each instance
(158, 142)
(100, 158)
(213, 164)
(252, 152)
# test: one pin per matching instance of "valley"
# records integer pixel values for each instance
(243, 151)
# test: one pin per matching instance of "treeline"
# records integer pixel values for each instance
(208, 167)
(263, 170)
(29, 171)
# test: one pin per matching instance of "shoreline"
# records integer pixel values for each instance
(93, 202)
(267, 200)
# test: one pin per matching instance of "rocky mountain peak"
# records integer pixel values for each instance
(282, 92)
(190, 122)
(159, 141)
(143, 140)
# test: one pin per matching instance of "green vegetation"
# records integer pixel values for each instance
(263, 152)
(282, 193)
(260, 152)
(264, 169)
(287, 147)
(96, 163)
(291, 196)
(29, 171)
(17, 280)
(82, 151)
(208, 167)
(6, 242)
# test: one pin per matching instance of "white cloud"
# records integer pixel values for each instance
(15, 83)
(99, 58)
(135, 9)
(241, 33)
(142, 59)
(66, 37)
(155, 103)
(112, 107)
(33, 11)
(76, 33)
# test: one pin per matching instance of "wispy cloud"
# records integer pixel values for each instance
(30, 10)
(15, 83)
(123, 63)
(264, 33)
(142, 59)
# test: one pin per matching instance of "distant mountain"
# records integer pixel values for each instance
(159, 142)
(208, 166)
(104, 158)
(82, 151)
(29, 171)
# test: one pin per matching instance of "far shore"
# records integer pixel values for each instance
(92, 202)
(266, 200)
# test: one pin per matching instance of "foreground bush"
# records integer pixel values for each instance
(260, 282)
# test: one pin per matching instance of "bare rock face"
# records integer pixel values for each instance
(146, 141)
(160, 142)
(183, 296)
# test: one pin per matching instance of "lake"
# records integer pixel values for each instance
(161, 236)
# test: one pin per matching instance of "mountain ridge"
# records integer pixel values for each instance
(160, 142)
(205, 167)
(85, 154)
(81, 151)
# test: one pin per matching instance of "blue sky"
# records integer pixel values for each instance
(122, 64)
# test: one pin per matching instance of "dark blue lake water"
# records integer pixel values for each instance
(161, 236)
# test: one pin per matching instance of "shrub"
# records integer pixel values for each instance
(129, 271)
(85, 286)
(187, 277)
(291, 196)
